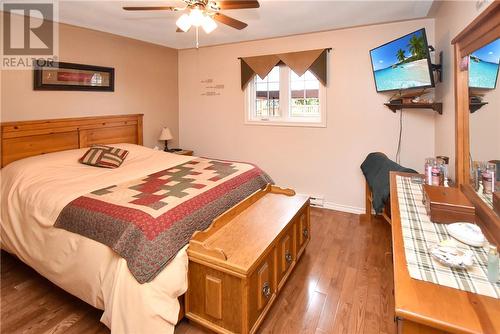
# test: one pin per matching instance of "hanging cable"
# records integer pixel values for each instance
(398, 152)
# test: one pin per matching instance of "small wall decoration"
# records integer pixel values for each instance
(68, 76)
(211, 88)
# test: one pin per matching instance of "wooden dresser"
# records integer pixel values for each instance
(427, 308)
(238, 266)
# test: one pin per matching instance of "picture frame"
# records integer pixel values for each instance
(74, 77)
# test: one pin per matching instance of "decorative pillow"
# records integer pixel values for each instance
(104, 156)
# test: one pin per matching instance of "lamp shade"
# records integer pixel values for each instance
(165, 134)
(209, 24)
(196, 16)
(184, 22)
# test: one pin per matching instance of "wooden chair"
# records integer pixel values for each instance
(386, 213)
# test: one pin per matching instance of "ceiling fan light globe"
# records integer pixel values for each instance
(209, 24)
(184, 22)
(197, 17)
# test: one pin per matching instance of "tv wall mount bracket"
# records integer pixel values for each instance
(438, 68)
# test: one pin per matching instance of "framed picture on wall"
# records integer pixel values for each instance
(68, 76)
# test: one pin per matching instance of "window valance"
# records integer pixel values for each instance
(299, 62)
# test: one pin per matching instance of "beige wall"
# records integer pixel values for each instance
(317, 161)
(451, 17)
(145, 82)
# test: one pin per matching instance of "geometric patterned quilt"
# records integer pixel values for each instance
(148, 220)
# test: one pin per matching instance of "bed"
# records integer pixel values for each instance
(41, 177)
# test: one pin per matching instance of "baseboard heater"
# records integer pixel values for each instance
(317, 201)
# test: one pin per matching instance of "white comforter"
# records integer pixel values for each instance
(36, 189)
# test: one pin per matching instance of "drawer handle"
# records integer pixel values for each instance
(288, 257)
(266, 290)
(305, 232)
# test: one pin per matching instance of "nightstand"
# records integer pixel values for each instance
(184, 152)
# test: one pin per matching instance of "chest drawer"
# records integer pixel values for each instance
(303, 231)
(286, 254)
(262, 288)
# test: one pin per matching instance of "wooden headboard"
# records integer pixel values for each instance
(27, 138)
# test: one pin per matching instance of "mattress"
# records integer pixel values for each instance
(33, 193)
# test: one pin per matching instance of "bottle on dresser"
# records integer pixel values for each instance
(493, 264)
(489, 176)
(429, 162)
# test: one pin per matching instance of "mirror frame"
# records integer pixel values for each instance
(483, 30)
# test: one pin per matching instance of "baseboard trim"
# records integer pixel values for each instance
(343, 208)
(338, 207)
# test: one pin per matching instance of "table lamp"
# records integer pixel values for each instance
(166, 135)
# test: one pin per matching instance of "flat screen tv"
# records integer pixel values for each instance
(404, 63)
(483, 66)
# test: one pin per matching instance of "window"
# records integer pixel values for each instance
(284, 98)
(267, 94)
(304, 95)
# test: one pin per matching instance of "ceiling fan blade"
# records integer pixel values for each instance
(180, 30)
(229, 21)
(235, 4)
(151, 8)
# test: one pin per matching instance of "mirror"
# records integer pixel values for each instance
(484, 121)
(479, 33)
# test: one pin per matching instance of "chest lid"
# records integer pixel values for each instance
(239, 237)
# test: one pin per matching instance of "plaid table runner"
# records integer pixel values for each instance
(420, 234)
(488, 199)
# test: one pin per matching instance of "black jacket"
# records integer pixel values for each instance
(376, 168)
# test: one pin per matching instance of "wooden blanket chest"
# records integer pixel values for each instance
(240, 263)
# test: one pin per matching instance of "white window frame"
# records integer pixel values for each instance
(284, 110)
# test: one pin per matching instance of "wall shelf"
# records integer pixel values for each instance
(475, 106)
(436, 106)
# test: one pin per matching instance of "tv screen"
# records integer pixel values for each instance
(403, 63)
(483, 66)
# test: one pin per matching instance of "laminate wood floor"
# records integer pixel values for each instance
(342, 284)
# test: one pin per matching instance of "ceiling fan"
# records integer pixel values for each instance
(204, 13)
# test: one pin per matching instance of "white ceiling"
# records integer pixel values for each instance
(273, 18)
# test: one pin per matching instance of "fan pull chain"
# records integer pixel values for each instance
(197, 39)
